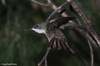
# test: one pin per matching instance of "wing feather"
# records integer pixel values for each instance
(61, 21)
(55, 35)
(58, 44)
(59, 41)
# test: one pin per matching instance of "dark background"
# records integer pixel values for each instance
(26, 48)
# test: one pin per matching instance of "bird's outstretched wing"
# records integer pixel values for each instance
(55, 35)
(61, 21)
(59, 40)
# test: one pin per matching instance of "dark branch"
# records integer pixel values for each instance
(87, 21)
(39, 3)
(54, 7)
(45, 57)
(89, 38)
(55, 11)
(90, 46)
(91, 51)
(90, 41)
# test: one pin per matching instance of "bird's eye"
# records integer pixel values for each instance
(36, 26)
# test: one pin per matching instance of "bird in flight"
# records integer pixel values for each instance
(53, 32)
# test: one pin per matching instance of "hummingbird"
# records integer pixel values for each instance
(53, 32)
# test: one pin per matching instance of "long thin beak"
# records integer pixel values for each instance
(27, 29)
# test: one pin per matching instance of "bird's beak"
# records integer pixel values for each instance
(27, 29)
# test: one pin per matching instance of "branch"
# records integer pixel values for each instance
(90, 41)
(54, 7)
(91, 51)
(55, 11)
(45, 57)
(90, 46)
(87, 21)
(39, 3)
(89, 38)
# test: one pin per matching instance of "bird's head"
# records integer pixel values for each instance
(39, 28)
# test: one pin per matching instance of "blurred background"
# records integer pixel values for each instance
(26, 48)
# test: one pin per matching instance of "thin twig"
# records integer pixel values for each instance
(54, 6)
(83, 32)
(55, 11)
(91, 51)
(90, 46)
(39, 3)
(45, 57)
(46, 62)
(89, 40)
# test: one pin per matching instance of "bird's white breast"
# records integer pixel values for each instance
(39, 30)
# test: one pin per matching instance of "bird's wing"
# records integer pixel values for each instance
(61, 21)
(72, 26)
(59, 40)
